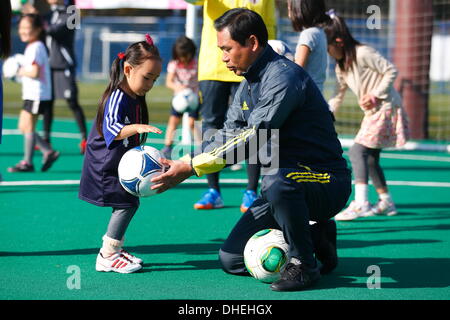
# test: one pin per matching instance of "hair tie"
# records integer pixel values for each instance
(121, 55)
(149, 39)
(331, 13)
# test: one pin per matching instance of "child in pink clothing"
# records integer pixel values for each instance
(181, 74)
(370, 76)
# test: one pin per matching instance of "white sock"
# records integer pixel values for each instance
(110, 246)
(361, 193)
(385, 197)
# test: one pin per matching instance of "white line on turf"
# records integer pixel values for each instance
(161, 141)
(414, 157)
(224, 181)
(67, 135)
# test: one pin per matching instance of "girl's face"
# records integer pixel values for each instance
(185, 59)
(141, 78)
(26, 31)
(336, 50)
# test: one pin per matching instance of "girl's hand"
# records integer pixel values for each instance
(132, 129)
(179, 87)
(369, 101)
(31, 71)
(20, 72)
(143, 128)
(29, 9)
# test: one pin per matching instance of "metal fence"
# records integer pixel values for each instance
(100, 39)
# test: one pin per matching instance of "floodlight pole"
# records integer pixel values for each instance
(191, 32)
(191, 21)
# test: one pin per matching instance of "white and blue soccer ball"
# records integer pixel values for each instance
(185, 100)
(137, 167)
(11, 67)
(265, 255)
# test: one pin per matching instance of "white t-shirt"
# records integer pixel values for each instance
(39, 89)
(315, 39)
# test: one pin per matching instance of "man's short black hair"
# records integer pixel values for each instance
(242, 23)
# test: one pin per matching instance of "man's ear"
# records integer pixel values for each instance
(253, 42)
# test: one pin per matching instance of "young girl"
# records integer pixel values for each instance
(36, 93)
(121, 124)
(181, 74)
(370, 76)
(308, 17)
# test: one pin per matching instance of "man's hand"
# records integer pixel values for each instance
(177, 173)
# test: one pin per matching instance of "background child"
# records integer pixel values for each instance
(181, 74)
(308, 17)
(62, 66)
(5, 48)
(121, 124)
(370, 76)
(36, 93)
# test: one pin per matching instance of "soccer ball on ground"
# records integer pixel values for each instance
(265, 255)
(137, 167)
(185, 101)
(11, 67)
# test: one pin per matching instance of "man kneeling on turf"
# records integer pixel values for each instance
(312, 181)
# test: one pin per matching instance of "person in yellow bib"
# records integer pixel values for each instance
(218, 84)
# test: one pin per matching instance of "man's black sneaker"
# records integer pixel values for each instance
(49, 159)
(22, 166)
(296, 277)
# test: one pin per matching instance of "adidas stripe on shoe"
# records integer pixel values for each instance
(129, 256)
(116, 263)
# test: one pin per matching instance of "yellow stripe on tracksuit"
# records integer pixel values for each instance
(210, 162)
(309, 177)
(242, 137)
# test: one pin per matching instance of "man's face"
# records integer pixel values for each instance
(238, 58)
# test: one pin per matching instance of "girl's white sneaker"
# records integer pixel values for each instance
(117, 263)
(384, 207)
(129, 256)
(354, 211)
